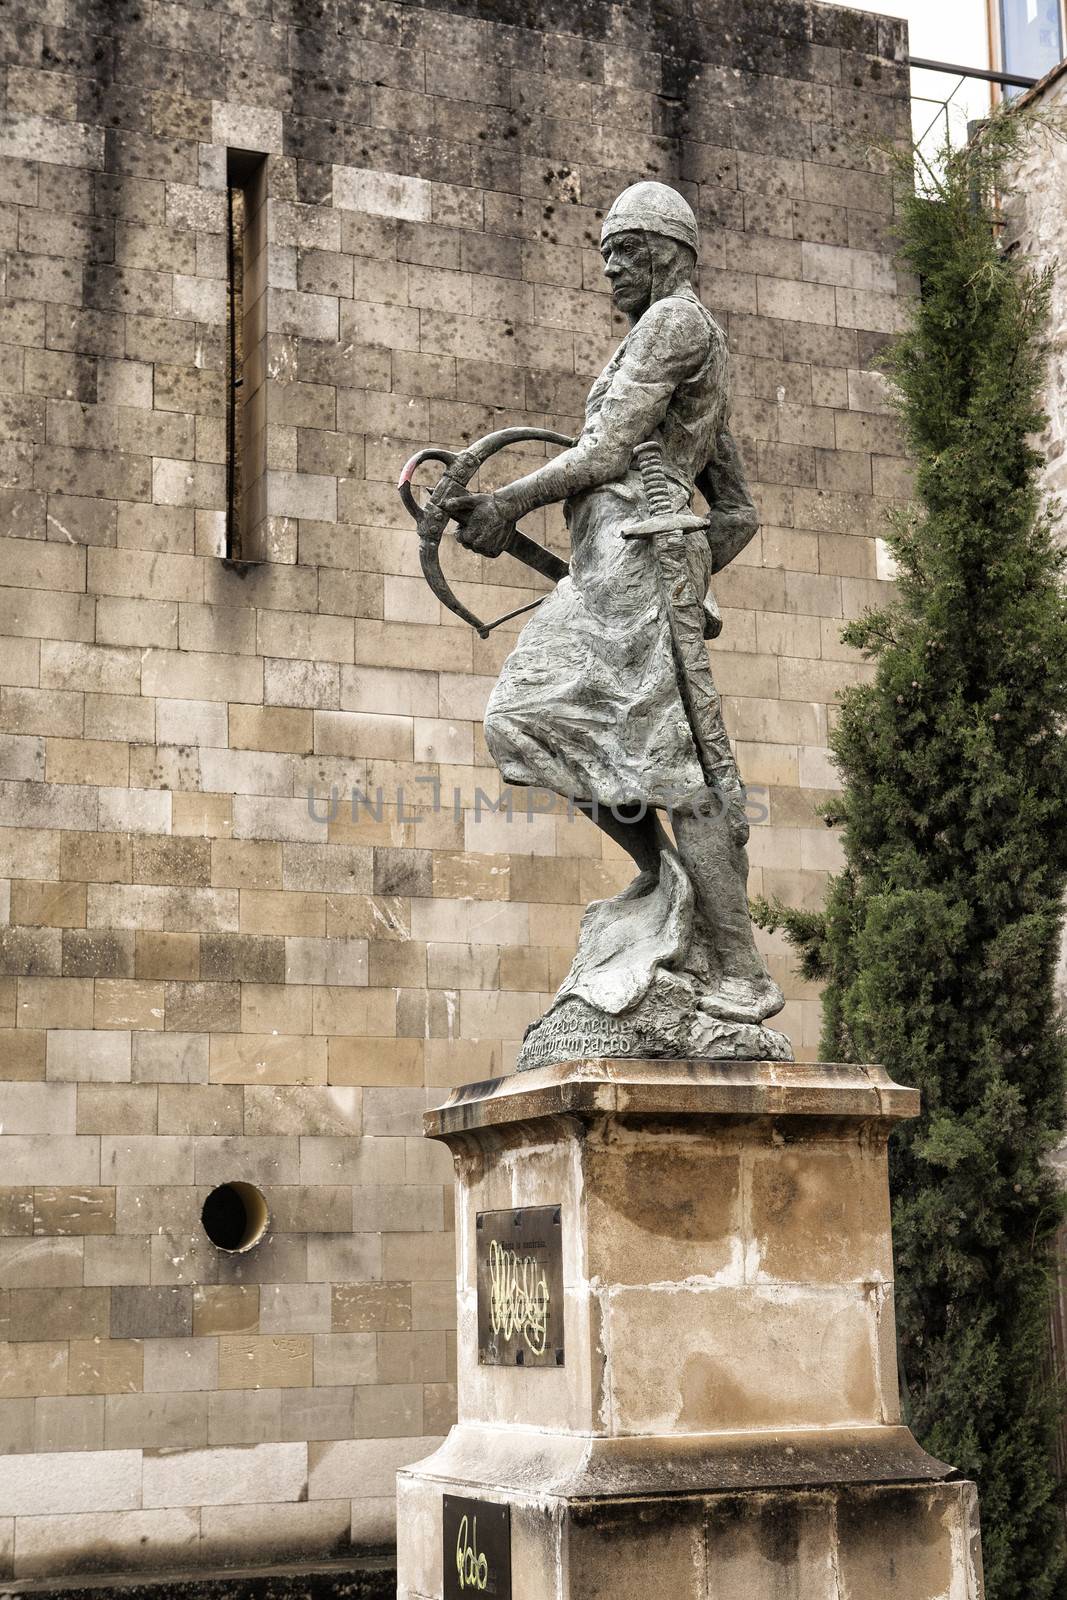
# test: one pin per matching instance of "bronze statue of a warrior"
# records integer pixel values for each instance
(608, 698)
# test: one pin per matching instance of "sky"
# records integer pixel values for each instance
(943, 30)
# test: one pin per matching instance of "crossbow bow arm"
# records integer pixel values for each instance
(432, 519)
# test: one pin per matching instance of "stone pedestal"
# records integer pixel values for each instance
(719, 1415)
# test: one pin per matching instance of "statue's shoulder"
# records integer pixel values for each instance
(682, 308)
(680, 320)
(682, 332)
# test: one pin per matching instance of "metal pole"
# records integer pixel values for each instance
(1011, 79)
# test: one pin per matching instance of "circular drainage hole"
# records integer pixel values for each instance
(235, 1216)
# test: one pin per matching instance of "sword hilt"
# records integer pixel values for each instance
(649, 458)
(664, 518)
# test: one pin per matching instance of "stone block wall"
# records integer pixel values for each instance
(1034, 225)
(201, 980)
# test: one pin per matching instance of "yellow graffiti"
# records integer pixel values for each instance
(472, 1568)
(518, 1301)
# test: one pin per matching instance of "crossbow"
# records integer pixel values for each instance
(432, 519)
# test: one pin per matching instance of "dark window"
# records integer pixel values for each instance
(246, 180)
(1031, 37)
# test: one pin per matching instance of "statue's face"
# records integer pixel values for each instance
(628, 267)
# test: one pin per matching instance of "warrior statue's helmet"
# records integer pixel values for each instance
(651, 208)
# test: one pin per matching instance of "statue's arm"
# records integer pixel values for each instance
(733, 519)
(666, 347)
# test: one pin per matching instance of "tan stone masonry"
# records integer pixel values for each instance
(199, 981)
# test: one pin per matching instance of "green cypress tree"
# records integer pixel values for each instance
(939, 938)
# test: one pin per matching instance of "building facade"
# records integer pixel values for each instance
(256, 253)
(1034, 227)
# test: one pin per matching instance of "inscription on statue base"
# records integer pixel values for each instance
(576, 1031)
(520, 1287)
(477, 1548)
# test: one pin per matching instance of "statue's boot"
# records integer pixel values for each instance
(711, 847)
(713, 853)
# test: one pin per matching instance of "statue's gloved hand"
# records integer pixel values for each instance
(482, 525)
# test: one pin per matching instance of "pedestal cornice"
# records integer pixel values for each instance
(674, 1089)
(585, 1467)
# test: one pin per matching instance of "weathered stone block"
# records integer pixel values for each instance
(51, 1545)
(76, 1423)
(73, 1211)
(155, 1313)
(51, 1159)
(168, 1421)
(276, 1472)
(226, 1308)
(39, 1264)
(277, 1533)
(105, 1366)
(108, 1480)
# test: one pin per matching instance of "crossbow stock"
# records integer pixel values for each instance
(432, 519)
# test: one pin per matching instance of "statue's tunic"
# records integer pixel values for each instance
(588, 703)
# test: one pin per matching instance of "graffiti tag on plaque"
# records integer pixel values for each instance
(520, 1287)
(477, 1548)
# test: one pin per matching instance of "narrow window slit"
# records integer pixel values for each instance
(246, 437)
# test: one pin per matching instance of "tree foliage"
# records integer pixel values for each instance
(939, 938)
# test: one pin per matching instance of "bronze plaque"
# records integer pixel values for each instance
(520, 1287)
(477, 1548)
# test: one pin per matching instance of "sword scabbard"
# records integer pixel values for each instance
(689, 618)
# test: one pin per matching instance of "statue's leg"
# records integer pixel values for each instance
(711, 845)
(637, 830)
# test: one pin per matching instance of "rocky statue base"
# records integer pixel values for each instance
(677, 1363)
(646, 985)
(658, 1028)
